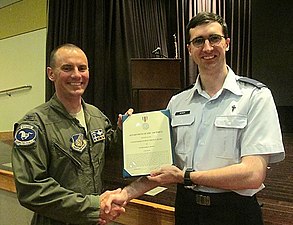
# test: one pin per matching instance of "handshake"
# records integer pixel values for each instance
(112, 205)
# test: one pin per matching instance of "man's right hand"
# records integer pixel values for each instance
(109, 210)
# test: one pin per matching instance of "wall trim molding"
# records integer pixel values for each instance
(6, 135)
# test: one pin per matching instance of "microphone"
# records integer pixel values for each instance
(176, 46)
(158, 49)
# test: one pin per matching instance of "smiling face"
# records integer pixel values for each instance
(208, 57)
(69, 72)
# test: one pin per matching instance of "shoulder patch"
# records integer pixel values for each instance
(252, 82)
(25, 135)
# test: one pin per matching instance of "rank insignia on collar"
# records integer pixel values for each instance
(97, 135)
(78, 143)
(25, 135)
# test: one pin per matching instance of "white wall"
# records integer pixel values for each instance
(22, 62)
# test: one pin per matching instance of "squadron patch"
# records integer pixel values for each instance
(78, 143)
(25, 135)
(97, 135)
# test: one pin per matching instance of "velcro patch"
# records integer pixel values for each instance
(98, 135)
(78, 143)
(25, 135)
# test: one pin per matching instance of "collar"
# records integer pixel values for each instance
(57, 105)
(230, 84)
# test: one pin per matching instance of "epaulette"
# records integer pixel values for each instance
(184, 89)
(252, 82)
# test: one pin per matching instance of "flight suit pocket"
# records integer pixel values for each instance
(62, 153)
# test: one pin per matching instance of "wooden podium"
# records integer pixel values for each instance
(154, 81)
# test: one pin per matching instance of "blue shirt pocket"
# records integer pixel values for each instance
(231, 121)
(182, 120)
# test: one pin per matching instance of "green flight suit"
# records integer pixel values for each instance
(57, 165)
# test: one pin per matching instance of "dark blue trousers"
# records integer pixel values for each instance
(221, 208)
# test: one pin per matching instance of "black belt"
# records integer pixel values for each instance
(208, 199)
(203, 199)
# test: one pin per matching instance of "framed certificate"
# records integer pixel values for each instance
(147, 142)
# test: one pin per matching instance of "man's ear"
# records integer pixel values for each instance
(189, 50)
(50, 74)
(227, 44)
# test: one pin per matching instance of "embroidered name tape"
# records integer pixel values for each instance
(180, 113)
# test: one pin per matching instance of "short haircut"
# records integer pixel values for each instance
(204, 18)
(52, 62)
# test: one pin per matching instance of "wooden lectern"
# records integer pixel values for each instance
(153, 82)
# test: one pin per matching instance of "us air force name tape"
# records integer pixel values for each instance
(252, 82)
(25, 135)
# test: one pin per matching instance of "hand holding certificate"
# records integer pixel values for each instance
(146, 142)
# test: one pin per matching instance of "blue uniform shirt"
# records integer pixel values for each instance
(213, 132)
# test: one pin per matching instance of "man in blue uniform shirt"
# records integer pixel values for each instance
(226, 131)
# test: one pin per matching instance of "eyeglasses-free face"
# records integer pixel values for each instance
(214, 39)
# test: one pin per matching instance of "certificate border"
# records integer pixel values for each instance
(166, 112)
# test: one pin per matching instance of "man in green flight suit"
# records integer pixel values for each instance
(59, 149)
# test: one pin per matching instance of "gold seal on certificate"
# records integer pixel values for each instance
(146, 142)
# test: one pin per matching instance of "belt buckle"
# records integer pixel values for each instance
(203, 200)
